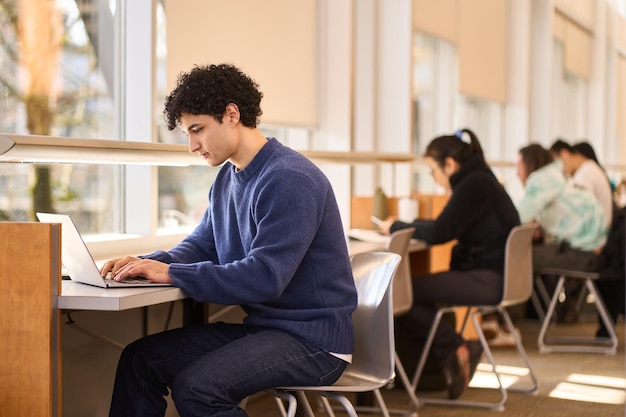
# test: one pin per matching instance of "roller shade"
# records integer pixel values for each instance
(621, 34)
(576, 45)
(581, 11)
(621, 106)
(478, 28)
(483, 47)
(436, 18)
(274, 41)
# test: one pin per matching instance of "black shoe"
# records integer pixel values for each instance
(456, 370)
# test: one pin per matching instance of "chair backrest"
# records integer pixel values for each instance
(374, 346)
(402, 284)
(518, 265)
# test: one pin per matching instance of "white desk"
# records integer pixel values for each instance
(77, 296)
(359, 246)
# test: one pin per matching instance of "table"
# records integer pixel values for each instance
(77, 296)
(380, 244)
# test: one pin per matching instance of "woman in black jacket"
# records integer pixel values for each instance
(479, 215)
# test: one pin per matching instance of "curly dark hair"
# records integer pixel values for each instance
(208, 90)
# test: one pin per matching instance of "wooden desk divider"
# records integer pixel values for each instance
(30, 352)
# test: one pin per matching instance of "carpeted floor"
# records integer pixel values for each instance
(570, 384)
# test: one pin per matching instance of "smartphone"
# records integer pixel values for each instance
(376, 220)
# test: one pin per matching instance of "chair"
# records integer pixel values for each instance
(518, 285)
(372, 364)
(402, 302)
(548, 344)
(402, 285)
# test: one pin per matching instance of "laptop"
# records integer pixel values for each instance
(78, 261)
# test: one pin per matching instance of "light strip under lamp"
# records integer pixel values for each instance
(51, 149)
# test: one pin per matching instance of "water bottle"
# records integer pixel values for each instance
(380, 208)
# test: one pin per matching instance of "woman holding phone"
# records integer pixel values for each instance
(479, 215)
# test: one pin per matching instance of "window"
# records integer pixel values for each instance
(58, 80)
(435, 84)
(87, 100)
(569, 100)
(486, 119)
(621, 7)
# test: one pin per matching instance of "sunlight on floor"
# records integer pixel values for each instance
(485, 378)
(604, 381)
(577, 387)
(591, 388)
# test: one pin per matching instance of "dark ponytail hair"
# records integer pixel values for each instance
(454, 146)
(585, 149)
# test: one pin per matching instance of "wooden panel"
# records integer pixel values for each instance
(429, 207)
(361, 208)
(30, 275)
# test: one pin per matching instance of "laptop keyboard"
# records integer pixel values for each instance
(134, 280)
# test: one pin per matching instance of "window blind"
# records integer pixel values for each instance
(273, 41)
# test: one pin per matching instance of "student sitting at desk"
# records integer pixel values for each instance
(271, 241)
(573, 225)
(480, 216)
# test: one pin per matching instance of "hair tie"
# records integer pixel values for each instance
(459, 134)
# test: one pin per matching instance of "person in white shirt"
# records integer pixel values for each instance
(581, 166)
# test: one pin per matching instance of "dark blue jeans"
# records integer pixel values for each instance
(210, 368)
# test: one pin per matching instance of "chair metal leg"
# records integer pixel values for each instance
(292, 403)
(522, 353)
(426, 349)
(414, 402)
(407, 386)
(548, 344)
(604, 315)
(305, 405)
(497, 405)
(540, 298)
(347, 405)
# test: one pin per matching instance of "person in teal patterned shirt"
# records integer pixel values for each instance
(567, 214)
(572, 225)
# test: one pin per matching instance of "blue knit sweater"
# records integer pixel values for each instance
(272, 241)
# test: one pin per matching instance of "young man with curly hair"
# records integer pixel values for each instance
(271, 241)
